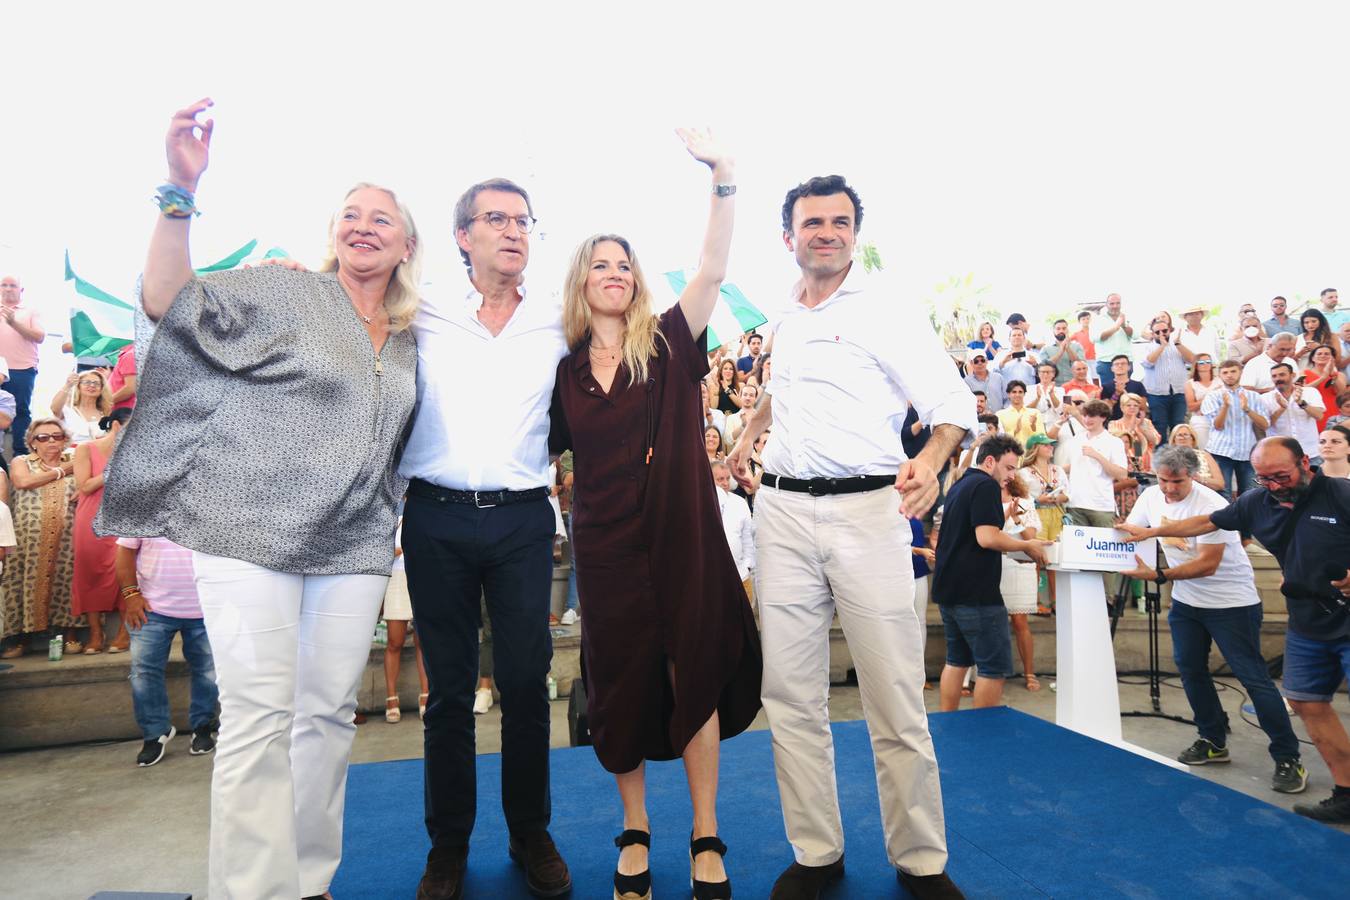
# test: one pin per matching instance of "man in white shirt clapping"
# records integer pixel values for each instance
(738, 525)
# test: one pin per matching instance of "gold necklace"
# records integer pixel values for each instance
(609, 356)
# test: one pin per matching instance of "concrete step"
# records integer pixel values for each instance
(87, 698)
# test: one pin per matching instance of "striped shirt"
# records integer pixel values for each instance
(165, 576)
(1237, 437)
(1166, 376)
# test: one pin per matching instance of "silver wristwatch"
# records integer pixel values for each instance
(724, 190)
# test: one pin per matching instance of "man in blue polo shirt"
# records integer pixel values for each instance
(1303, 519)
(969, 564)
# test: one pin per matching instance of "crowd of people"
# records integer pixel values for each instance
(834, 476)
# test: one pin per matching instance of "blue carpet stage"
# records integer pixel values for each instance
(1033, 810)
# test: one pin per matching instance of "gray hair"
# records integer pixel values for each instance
(1177, 459)
(720, 464)
(1282, 336)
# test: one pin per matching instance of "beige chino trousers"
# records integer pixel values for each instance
(848, 553)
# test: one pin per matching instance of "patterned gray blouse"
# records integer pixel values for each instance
(266, 428)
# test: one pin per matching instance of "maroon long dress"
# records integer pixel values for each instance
(653, 566)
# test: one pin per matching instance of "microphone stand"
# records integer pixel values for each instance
(1153, 606)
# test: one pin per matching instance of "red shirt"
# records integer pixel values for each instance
(1092, 390)
(1082, 339)
(126, 367)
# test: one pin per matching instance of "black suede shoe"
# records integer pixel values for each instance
(546, 874)
(633, 887)
(443, 878)
(930, 887)
(799, 882)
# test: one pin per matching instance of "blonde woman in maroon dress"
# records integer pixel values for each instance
(670, 654)
(94, 589)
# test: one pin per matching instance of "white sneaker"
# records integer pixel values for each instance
(570, 617)
(482, 701)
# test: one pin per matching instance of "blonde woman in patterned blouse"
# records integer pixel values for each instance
(36, 581)
(291, 552)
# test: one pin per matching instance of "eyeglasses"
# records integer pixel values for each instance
(1268, 480)
(1204, 362)
(1077, 402)
(44, 438)
(88, 381)
(499, 221)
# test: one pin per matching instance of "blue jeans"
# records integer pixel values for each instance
(1246, 476)
(1167, 411)
(20, 384)
(1313, 669)
(149, 655)
(1237, 632)
(1104, 374)
(573, 601)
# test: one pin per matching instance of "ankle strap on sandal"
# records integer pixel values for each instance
(705, 844)
(631, 836)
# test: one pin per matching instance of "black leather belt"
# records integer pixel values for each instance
(820, 487)
(481, 499)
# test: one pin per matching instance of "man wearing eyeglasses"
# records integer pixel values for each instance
(1303, 519)
(1164, 377)
(478, 524)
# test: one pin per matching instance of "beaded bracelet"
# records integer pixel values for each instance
(175, 203)
(129, 590)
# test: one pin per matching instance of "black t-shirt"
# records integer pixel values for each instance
(1318, 540)
(967, 574)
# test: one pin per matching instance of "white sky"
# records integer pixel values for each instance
(1171, 152)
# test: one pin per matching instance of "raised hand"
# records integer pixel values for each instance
(1242, 400)
(187, 152)
(703, 147)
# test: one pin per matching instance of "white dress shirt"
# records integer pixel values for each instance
(844, 376)
(1256, 373)
(482, 401)
(1296, 422)
(740, 530)
(1206, 342)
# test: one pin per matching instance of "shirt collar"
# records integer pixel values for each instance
(855, 282)
(473, 298)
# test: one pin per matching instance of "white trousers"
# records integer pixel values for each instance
(921, 610)
(289, 652)
(848, 553)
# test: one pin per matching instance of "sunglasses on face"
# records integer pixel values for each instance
(44, 438)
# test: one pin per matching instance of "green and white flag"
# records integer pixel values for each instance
(101, 324)
(732, 317)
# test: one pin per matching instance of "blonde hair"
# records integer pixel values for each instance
(104, 401)
(640, 329)
(403, 294)
(1172, 437)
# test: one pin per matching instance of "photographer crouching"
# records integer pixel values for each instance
(1303, 519)
(1213, 599)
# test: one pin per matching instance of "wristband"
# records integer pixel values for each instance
(724, 190)
(176, 203)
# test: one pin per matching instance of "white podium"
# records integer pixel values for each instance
(1088, 698)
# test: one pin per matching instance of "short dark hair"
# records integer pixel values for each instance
(1015, 383)
(1282, 366)
(1058, 321)
(1097, 408)
(1326, 291)
(1085, 314)
(822, 186)
(1124, 356)
(1015, 318)
(464, 205)
(1047, 365)
(987, 419)
(998, 446)
(1278, 297)
(1229, 364)
(986, 396)
(752, 335)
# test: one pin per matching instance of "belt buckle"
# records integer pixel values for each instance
(479, 504)
(816, 486)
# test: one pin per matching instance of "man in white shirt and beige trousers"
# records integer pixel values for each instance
(850, 358)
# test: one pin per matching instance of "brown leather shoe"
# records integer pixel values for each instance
(799, 882)
(443, 878)
(931, 887)
(546, 874)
